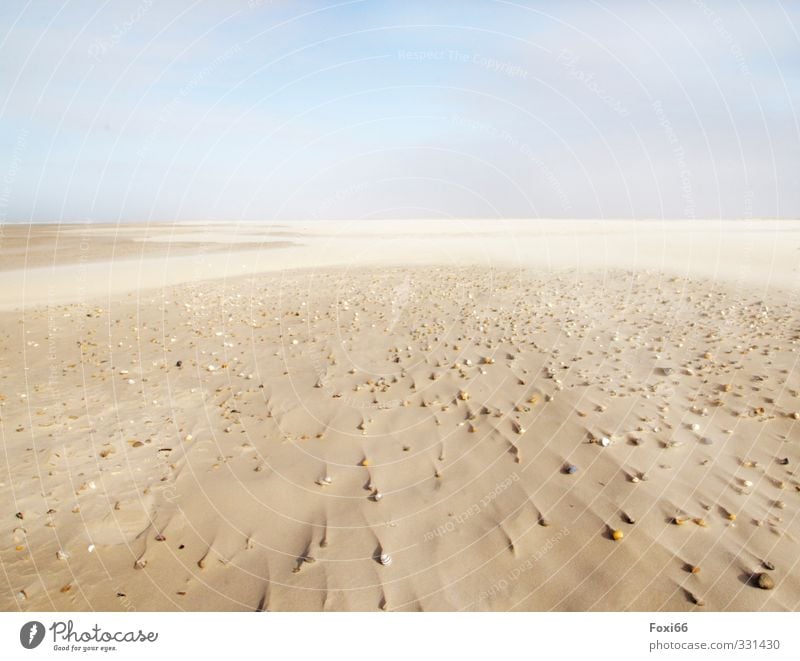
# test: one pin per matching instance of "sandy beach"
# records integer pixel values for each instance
(423, 416)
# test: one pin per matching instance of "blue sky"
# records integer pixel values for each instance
(165, 109)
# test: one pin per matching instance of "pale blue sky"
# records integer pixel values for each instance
(170, 109)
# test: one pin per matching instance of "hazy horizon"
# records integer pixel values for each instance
(271, 111)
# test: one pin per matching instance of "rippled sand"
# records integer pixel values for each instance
(414, 437)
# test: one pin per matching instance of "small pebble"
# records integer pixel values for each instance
(765, 581)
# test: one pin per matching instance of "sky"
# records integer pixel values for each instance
(151, 110)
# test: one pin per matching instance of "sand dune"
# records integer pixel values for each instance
(451, 437)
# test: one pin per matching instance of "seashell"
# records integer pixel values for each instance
(62, 555)
(765, 581)
(385, 559)
(325, 481)
(768, 565)
(680, 520)
(731, 516)
(604, 441)
(377, 496)
(701, 522)
(91, 548)
(617, 535)
(570, 469)
(747, 483)
(463, 395)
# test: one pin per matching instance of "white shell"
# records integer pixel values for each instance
(386, 559)
(605, 441)
(62, 555)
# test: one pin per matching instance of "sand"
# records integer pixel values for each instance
(484, 420)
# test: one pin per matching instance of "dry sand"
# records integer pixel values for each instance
(467, 426)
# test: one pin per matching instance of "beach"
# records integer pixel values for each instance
(443, 415)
